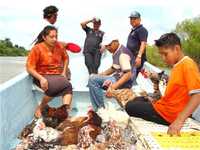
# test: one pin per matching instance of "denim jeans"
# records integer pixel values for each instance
(95, 84)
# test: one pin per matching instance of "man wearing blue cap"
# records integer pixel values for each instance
(137, 40)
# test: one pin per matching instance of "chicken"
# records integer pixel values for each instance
(52, 117)
(72, 128)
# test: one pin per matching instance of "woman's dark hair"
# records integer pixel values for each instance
(168, 40)
(44, 33)
(49, 11)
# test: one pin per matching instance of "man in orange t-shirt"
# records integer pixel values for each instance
(182, 95)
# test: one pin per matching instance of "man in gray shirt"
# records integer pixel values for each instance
(94, 37)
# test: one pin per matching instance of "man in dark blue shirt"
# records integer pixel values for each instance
(92, 46)
(137, 40)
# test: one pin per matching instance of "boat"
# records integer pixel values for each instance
(19, 98)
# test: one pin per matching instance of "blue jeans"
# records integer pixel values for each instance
(95, 84)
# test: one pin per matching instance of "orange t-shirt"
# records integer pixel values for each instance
(47, 62)
(183, 82)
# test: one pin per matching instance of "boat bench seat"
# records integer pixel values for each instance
(37, 88)
(83, 89)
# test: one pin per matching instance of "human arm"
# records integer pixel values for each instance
(31, 68)
(142, 35)
(107, 72)
(140, 53)
(65, 64)
(84, 23)
(175, 127)
(43, 81)
(125, 65)
(125, 77)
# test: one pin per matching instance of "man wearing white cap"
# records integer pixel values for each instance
(137, 40)
(120, 75)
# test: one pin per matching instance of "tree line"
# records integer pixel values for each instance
(7, 48)
(189, 32)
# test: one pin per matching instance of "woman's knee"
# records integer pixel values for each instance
(68, 88)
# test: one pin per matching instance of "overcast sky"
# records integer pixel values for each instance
(20, 20)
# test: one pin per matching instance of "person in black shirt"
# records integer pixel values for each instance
(137, 40)
(92, 46)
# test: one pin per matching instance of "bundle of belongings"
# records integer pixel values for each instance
(96, 130)
(123, 96)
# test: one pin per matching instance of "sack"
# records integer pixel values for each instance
(123, 95)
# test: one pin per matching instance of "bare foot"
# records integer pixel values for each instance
(68, 107)
(38, 113)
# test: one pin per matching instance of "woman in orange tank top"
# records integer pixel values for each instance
(48, 63)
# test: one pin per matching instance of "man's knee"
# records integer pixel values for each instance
(132, 106)
(137, 106)
(129, 107)
(69, 87)
(92, 80)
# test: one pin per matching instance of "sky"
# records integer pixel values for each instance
(21, 20)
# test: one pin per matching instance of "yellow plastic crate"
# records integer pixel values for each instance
(187, 141)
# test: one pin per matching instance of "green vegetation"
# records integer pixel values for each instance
(154, 57)
(8, 49)
(189, 32)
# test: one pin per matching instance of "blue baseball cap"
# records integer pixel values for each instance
(134, 14)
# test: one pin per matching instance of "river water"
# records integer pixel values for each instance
(10, 67)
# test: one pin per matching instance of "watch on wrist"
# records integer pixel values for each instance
(139, 56)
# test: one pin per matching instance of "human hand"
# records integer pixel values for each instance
(63, 74)
(107, 83)
(95, 19)
(102, 49)
(109, 92)
(110, 89)
(44, 84)
(138, 62)
(175, 127)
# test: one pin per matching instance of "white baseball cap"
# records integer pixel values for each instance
(108, 38)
